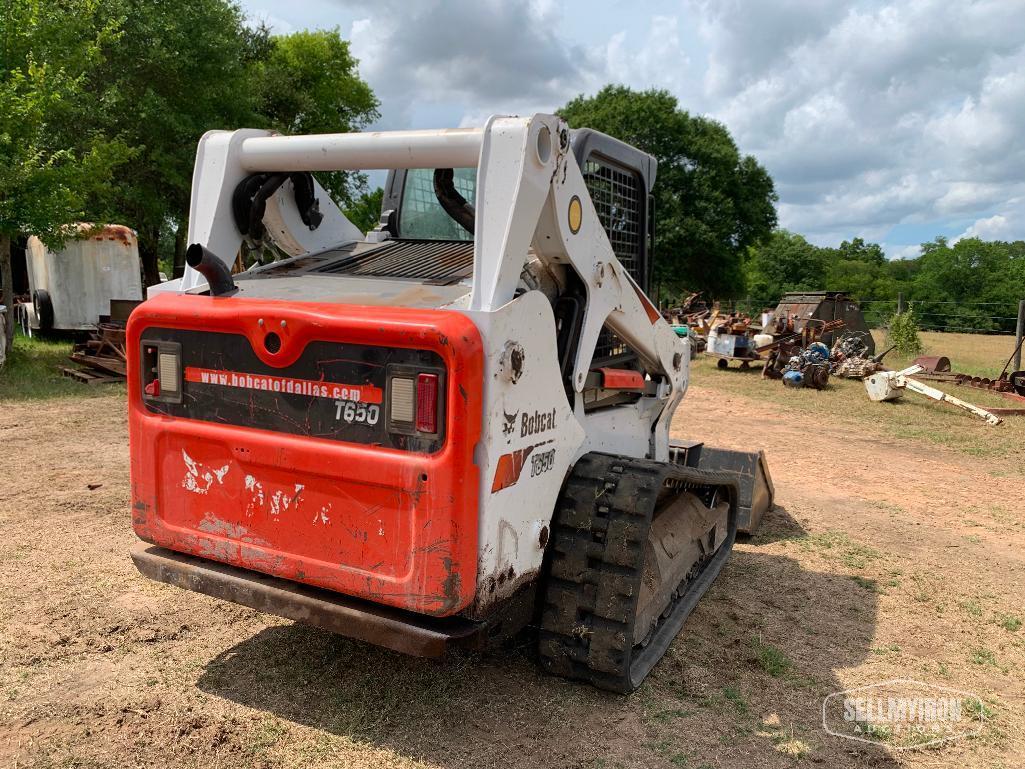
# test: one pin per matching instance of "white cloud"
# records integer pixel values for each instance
(902, 252)
(658, 62)
(871, 115)
(993, 227)
(1006, 224)
(468, 56)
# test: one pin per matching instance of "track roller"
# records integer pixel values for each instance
(635, 544)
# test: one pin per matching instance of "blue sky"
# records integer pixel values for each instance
(892, 121)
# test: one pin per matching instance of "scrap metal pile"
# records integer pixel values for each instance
(801, 359)
(811, 336)
(891, 385)
(101, 358)
(851, 358)
(810, 368)
(1009, 385)
(732, 337)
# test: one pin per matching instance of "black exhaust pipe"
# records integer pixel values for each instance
(217, 275)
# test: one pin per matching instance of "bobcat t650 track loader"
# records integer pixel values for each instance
(442, 431)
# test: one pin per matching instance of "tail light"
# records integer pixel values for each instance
(161, 372)
(415, 405)
(427, 403)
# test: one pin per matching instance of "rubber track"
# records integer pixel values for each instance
(593, 581)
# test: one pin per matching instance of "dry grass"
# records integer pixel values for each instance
(978, 354)
(846, 406)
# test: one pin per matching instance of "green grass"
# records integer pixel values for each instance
(853, 554)
(734, 696)
(772, 660)
(973, 607)
(983, 656)
(32, 372)
(1009, 622)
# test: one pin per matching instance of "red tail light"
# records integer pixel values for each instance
(427, 403)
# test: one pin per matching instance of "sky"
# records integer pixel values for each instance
(891, 121)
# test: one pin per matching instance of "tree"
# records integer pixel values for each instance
(711, 203)
(181, 69)
(177, 70)
(973, 284)
(858, 268)
(784, 262)
(308, 82)
(47, 52)
(365, 212)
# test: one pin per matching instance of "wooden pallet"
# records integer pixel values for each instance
(89, 376)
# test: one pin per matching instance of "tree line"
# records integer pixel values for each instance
(969, 285)
(102, 103)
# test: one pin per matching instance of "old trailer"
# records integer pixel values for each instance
(797, 308)
(73, 286)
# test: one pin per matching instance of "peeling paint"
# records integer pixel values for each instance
(322, 515)
(197, 478)
(211, 524)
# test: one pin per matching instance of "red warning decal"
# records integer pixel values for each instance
(286, 385)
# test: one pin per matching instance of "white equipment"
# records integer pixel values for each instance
(890, 385)
(441, 431)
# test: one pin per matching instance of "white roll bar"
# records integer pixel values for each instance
(448, 148)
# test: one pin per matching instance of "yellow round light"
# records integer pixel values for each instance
(576, 214)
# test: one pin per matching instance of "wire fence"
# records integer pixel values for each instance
(957, 317)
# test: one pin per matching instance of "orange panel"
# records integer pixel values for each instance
(621, 379)
(394, 526)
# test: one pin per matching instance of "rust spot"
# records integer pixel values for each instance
(116, 233)
(542, 540)
(450, 587)
(507, 576)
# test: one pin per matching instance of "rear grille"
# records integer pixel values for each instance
(430, 261)
(609, 345)
(618, 201)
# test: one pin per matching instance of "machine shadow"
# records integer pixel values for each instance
(776, 524)
(498, 709)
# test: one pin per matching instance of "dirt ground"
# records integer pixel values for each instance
(886, 558)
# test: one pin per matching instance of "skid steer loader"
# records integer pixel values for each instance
(437, 433)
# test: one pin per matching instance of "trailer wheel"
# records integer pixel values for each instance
(43, 306)
(722, 363)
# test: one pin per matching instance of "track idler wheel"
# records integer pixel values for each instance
(634, 546)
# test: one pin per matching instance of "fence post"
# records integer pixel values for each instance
(1020, 333)
(900, 302)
